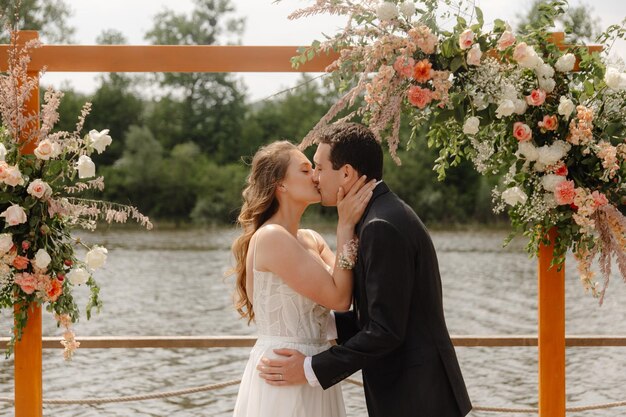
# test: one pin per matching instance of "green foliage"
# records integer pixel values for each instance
(49, 17)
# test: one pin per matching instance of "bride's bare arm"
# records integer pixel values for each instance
(280, 252)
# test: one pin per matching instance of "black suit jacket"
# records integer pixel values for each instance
(396, 332)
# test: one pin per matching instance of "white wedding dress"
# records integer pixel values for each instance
(285, 319)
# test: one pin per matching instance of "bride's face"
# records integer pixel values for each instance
(298, 182)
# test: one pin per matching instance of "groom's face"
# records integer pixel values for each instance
(327, 179)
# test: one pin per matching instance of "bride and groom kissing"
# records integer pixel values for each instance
(383, 285)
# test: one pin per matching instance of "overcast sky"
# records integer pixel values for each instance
(266, 24)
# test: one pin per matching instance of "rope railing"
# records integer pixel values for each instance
(219, 385)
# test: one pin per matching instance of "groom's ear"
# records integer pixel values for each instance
(349, 174)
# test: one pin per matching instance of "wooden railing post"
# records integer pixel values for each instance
(551, 312)
(28, 351)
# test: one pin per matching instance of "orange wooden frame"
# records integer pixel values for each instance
(123, 58)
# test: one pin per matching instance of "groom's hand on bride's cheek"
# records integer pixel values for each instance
(286, 370)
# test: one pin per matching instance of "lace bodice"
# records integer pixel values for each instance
(280, 311)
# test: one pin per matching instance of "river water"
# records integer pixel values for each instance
(172, 283)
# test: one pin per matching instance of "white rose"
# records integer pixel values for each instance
(520, 106)
(565, 63)
(99, 140)
(13, 176)
(6, 242)
(470, 127)
(505, 108)
(386, 11)
(407, 9)
(514, 195)
(78, 276)
(566, 107)
(42, 259)
(96, 257)
(550, 181)
(544, 71)
(479, 102)
(14, 215)
(614, 79)
(547, 84)
(3, 152)
(85, 166)
(474, 54)
(528, 57)
(47, 149)
(39, 189)
(528, 150)
(551, 154)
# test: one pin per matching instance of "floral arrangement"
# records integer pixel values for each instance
(549, 119)
(40, 204)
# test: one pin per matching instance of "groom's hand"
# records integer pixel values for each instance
(284, 371)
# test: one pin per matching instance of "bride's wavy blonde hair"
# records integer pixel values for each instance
(269, 167)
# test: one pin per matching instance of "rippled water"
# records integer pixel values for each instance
(172, 283)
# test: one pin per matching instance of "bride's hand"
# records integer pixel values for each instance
(351, 205)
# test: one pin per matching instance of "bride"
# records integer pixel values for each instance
(287, 277)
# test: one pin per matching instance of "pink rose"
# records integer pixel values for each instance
(549, 123)
(419, 97)
(466, 39)
(14, 215)
(536, 97)
(404, 66)
(522, 132)
(565, 192)
(474, 54)
(13, 176)
(507, 39)
(39, 189)
(599, 199)
(4, 171)
(27, 282)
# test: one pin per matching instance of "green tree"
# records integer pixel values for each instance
(116, 105)
(578, 23)
(49, 17)
(206, 108)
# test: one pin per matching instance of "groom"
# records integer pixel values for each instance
(396, 332)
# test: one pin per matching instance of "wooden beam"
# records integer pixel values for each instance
(193, 342)
(168, 58)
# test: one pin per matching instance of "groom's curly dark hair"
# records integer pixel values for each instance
(354, 144)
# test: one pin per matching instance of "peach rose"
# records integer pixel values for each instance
(466, 39)
(423, 71)
(419, 97)
(27, 282)
(536, 97)
(474, 55)
(522, 132)
(507, 39)
(565, 192)
(549, 123)
(404, 66)
(20, 262)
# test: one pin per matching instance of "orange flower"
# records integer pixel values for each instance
(20, 262)
(54, 290)
(419, 97)
(423, 71)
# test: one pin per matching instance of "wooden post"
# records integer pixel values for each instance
(28, 359)
(551, 342)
